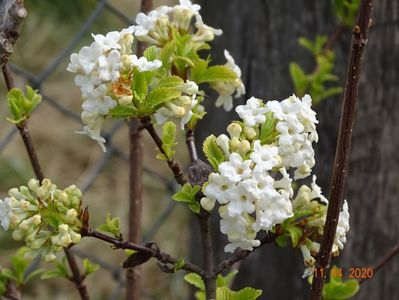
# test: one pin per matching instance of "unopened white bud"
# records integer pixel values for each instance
(250, 133)
(234, 130)
(207, 203)
(125, 100)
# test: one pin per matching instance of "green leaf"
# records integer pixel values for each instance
(156, 97)
(225, 280)
(52, 274)
(299, 78)
(282, 241)
(223, 293)
(89, 267)
(168, 140)
(268, 132)
(112, 225)
(151, 53)
(179, 264)
(170, 82)
(212, 152)
(212, 74)
(33, 275)
(9, 274)
(3, 282)
(187, 195)
(295, 233)
(195, 280)
(22, 105)
(121, 111)
(139, 87)
(336, 289)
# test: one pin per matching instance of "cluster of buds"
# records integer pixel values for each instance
(182, 107)
(46, 218)
(104, 75)
(157, 27)
(265, 153)
(311, 201)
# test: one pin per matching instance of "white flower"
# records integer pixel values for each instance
(216, 188)
(264, 156)
(86, 60)
(227, 89)
(190, 6)
(236, 169)
(5, 213)
(98, 101)
(109, 66)
(144, 65)
(253, 112)
(94, 123)
(316, 191)
(343, 227)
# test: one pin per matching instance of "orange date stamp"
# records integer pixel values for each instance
(351, 273)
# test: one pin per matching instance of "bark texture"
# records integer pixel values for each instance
(262, 37)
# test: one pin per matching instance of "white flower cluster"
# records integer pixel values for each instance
(296, 125)
(180, 108)
(227, 89)
(252, 185)
(46, 218)
(104, 76)
(157, 26)
(311, 199)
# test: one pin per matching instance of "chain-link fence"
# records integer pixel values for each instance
(37, 81)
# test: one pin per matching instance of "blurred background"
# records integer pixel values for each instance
(262, 35)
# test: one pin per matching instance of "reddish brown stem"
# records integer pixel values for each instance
(359, 40)
(24, 132)
(391, 254)
(154, 252)
(173, 166)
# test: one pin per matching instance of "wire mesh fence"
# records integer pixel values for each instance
(37, 81)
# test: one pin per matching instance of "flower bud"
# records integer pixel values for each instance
(234, 144)
(223, 142)
(49, 257)
(125, 100)
(234, 130)
(71, 215)
(250, 133)
(207, 203)
(244, 147)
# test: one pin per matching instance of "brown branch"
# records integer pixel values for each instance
(77, 278)
(241, 254)
(12, 14)
(153, 252)
(333, 38)
(391, 254)
(359, 40)
(133, 276)
(190, 141)
(173, 165)
(207, 255)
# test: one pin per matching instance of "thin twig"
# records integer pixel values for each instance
(359, 41)
(190, 141)
(173, 165)
(391, 254)
(333, 38)
(152, 251)
(24, 132)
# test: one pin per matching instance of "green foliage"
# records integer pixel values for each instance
(187, 195)
(201, 73)
(18, 272)
(168, 141)
(212, 152)
(225, 281)
(179, 264)
(268, 132)
(345, 11)
(21, 105)
(337, 289)
(139, 87)
(60, 271)
(89, 267)
(3, 283)
(222, 291)
(112, 225)
(156, 97)
(318, 82)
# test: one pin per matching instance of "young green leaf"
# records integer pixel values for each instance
(156, 97)
(295, 233)
(22, 105)
(123, 112)
(168, 140)
(187, 195)
(213, 74)
(139, 87)
(337, 289)
(112, 225)
(212, 152)
(225, 280)
(195, 280)
(89, 267)
(299, 78)
(268, 132)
